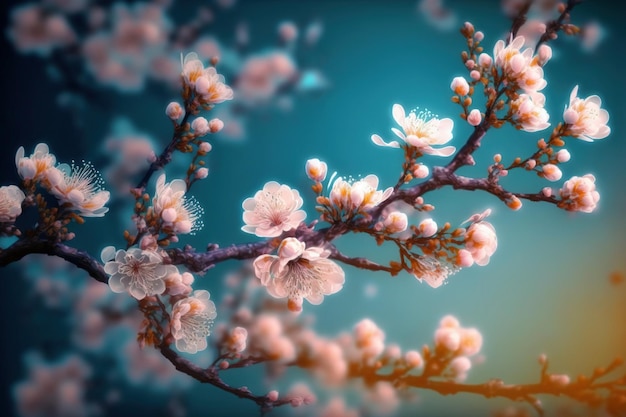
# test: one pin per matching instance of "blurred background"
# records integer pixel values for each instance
(312, 78)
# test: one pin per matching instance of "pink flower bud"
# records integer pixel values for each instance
(396, 222)
(202, 173)
(174, 110)
(205, 147)
(427, 227)
(474, 117)
(460, 86)
(551, 172)
(421, 171)
(485, 60)
(200, 125)
(316, 170)
(563, 155)
(215, 125)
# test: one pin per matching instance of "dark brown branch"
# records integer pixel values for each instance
(362, 263)
(519, 19)
(553, 27)
(211, 376)
(77, 257)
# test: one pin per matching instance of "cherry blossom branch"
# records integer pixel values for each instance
(520, 18)
(553, 27)
(211, 376)
(584, 389)
(77, 257)
(361, 263)
(166, 156)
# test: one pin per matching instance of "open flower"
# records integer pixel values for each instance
(272, 210)
(528, 112)
(191, 322)
(140, 273)
(299, 273)
(520, 66)
(585, 119)
(81, 188)
(11, 198)
(178, 213)
(579, 194)
(33, 167)
(420, 130)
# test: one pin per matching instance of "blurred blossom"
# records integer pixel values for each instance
(56, 389)
(35, 30)
(437, 15)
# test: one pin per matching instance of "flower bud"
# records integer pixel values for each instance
(174, 110)
(316, 170)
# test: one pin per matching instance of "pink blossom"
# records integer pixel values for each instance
(178, 213)
(421, 171)
(299, 273)
(357, 196)
(420, 130)
(178, 284)
(460, 86)
(200, 126)
(11, 198)
(140, 273)
(481, 241)
(236, 340)
(529, 113)
(80, 188)
(201, 173)
(316, 170)
(272, 210)
(519, 66)
(191, 321)
(215, 125)
(474, 117)
(33, 167)
(369, 339)
(396, 222)
(174, 110)
(585, 119)
(551, 172)
(579, 194)
(563, 155)
(427, 227)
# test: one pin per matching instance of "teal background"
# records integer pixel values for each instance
(546, 290)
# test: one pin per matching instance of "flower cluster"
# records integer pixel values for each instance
(579, 194)
(207, 84)
(454, 345)
(77, 188)
(144, 275)
(521, 67)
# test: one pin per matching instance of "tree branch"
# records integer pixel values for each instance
(79, 258)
